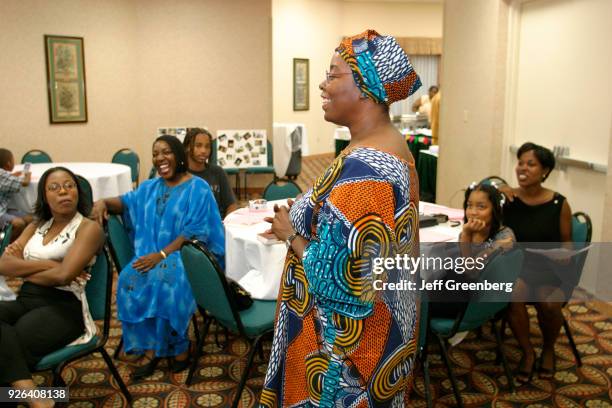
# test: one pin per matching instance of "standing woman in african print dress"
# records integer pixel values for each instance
(337, 340)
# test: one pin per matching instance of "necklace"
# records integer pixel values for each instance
(162, 199)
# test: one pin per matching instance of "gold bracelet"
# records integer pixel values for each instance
(163, 254)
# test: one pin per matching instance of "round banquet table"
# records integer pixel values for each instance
(258, 266)
(255, 265)
(106, 179)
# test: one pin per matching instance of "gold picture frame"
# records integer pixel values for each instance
(301, 80)
(65, 60)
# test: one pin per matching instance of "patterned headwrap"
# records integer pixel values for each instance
(381, 68)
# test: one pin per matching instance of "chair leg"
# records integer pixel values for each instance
(198, 352)
(260, 351)
(217, 336)
(502, 331)
(58, 381)
(425, 362)
(451, 374)
(238, 186)
(245, 375)
(118, 349)
(226, 332)
(568, 332)
(500, 353)
(196, 331)
(246, 181)
(115, 373)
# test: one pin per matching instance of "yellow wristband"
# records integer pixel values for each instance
(163, 254)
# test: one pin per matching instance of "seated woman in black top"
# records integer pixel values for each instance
(536, 214)
(198, 145)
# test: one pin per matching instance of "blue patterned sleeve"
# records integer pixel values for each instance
(129, 200)
(203, 221)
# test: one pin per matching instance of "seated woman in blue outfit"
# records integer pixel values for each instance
(154, 298)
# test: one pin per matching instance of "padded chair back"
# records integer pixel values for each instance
(98, 288)
(276, 191)
(484, 306)
(36, 156)
(121, 245)
(152, 173)
(582, 230)
(270, 154)
(213, 152)
(86, 188)
(209, 286)
(495, 179)
(5, 237)
(129, 158)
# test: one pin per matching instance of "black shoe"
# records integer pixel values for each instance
(145, 370)
(180, 365)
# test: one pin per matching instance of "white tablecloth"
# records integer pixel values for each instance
(258, 267)
(106, 179)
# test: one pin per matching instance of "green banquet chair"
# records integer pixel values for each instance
(212, 294)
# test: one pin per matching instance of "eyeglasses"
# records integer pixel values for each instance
(331, 75)
(55, 187)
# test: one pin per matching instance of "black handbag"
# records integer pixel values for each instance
(242, 298)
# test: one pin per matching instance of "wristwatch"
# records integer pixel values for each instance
(290, 239)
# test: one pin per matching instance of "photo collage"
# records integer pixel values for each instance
(242, 148)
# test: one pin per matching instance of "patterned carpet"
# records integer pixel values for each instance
(483, 383)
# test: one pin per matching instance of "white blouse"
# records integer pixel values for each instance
(56, 250)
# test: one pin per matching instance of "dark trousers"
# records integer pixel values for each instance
(41, 320)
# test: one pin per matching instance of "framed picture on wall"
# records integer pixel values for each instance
(66, 79)
(301, 97)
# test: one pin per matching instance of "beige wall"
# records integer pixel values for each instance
(109, 42)
(606, 234)
(559, 94)
(149, 64)
(397, 19)
(313, 28)
(472, 97)
(304, 29)
(533, 70)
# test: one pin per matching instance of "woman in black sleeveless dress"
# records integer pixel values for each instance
(536, 214)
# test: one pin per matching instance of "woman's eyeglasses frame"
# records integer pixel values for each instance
(56, 187)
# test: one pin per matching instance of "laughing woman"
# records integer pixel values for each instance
(154, 298)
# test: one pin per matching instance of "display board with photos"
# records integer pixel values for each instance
(242, 148)
(179, 132)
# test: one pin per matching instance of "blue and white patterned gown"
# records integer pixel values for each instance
(155, 307)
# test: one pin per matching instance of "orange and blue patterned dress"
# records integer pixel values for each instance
(338, 342)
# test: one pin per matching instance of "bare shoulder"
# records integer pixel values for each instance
(399, 147)
(90, 228)
(27, 233)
